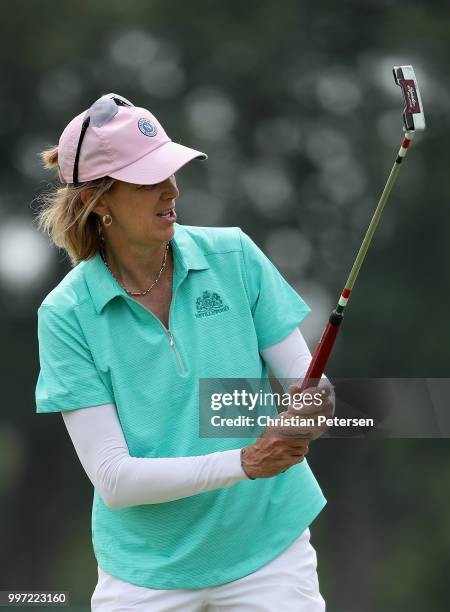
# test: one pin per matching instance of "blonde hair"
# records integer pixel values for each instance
(70, 224)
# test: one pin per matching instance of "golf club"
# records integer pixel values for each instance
(414, 120)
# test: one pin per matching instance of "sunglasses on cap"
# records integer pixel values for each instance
(99, 113)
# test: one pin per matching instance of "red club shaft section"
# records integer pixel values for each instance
(405, 143)
(322, 352)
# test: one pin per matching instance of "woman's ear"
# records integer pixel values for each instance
(100, 207)
(86, 196)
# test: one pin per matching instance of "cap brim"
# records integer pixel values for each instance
(158, 165)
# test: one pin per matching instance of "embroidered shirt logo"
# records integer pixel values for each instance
(209, 303)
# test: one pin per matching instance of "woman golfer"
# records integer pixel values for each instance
(179, 521)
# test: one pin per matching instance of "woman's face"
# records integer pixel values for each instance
(136, 211)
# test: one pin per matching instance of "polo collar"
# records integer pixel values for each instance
(187, 251)
(103, 287)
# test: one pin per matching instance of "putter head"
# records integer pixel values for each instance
(413, 116)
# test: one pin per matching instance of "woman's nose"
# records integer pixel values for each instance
(170, 188)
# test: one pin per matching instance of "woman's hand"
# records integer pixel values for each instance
(315, 402)
(284, 445)
(269, 456)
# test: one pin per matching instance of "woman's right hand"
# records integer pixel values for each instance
(269, 456)
(282, 446)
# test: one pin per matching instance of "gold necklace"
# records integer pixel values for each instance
(102, 253)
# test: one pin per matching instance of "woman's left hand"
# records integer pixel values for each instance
(313, 403)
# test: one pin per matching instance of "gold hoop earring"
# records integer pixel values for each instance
(107, 220)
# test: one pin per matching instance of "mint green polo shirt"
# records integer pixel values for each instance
(98, 345)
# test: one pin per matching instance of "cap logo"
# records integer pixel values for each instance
(147, 127)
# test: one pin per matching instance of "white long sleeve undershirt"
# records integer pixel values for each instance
(122, 480)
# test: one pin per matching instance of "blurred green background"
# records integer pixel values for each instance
(296, 106)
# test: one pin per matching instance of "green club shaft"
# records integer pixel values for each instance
(374, 222)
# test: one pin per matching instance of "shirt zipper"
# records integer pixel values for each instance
(172, 344)
(168, 332)
(171, 338)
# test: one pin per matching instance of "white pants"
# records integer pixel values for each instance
(289, 583)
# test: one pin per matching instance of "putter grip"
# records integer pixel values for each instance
(323, 350)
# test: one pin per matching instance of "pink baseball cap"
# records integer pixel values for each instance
(117, 139)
